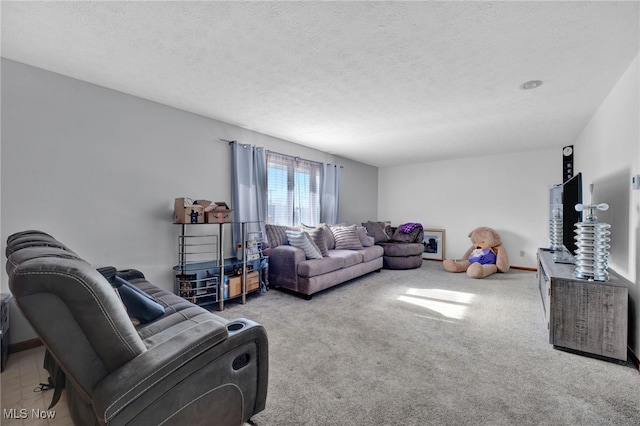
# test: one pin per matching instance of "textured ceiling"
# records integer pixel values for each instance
(385, 83)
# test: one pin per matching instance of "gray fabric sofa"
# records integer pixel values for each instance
(187, 367)
(289, 267)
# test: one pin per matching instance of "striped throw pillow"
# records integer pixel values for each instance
(302, 240)
(317, 234)
(346, 237)
(276, 234)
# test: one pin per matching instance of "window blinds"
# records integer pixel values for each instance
(293, 190)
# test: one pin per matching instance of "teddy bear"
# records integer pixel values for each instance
(486, 255)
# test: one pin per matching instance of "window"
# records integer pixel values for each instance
(293, 190)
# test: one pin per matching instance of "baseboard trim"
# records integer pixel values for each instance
(522, 268)
(24, 345)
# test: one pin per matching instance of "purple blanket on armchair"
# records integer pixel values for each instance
(408, 227)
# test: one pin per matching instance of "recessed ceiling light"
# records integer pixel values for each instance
(531, 85)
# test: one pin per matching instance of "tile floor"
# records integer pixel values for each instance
(20, 404)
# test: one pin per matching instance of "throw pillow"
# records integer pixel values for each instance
(276, 234)
(139, 304)
(328, 235)
(386, 225)
(346, 238)
(376, 230)
(317, 234)
(329, 238)
(365, 240)
(302, 240)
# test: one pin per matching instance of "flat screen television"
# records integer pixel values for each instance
(571, 195)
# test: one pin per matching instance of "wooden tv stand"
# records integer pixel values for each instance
(584, 316)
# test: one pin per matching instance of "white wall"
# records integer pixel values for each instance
(608, 154)
(510, 192)
(507, 192)
(99, 170)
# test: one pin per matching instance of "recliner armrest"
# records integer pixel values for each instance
(139, 384)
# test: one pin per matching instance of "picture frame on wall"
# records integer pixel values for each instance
(433, 244)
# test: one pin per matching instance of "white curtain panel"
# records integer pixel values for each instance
(330, 194)
(306, 201)
(249, 189)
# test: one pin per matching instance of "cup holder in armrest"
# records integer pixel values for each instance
(234, 327)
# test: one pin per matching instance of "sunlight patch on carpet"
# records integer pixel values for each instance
(436, 319)
(451, 304)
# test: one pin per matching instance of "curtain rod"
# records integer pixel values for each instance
(284, 155)
(298, 158)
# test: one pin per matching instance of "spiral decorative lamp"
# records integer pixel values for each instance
(555, 227)
(592, 239)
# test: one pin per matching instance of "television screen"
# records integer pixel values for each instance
(571, 195)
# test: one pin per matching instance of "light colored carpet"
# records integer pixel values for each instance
(424, 346)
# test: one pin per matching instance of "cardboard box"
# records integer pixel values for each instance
(253, 281)
(182, 212)
(221, 213)
(203, 203)
(235, 286)
(235, 283)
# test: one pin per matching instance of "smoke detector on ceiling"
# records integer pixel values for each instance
(533, 84)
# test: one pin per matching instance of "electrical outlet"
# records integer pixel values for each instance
(521, 253)
(635, 182)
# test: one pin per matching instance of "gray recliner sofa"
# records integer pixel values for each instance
(187, 367)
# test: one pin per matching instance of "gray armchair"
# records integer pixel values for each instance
(187, 367)
(402, 249)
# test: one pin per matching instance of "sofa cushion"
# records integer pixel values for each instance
(349, 257)
(33, 252)
(276, 234)
(370, 253)
(36, 240)
(346, 238)
(314, 267)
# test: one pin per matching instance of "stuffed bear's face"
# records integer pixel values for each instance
(485, 237)
(481, 245)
